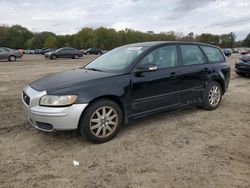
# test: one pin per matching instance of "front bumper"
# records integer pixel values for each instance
(242, 69)
(50, 118)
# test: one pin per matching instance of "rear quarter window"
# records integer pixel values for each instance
(213, 54)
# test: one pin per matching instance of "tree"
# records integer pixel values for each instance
(227, 40)
(208, 38)
(246, 41)
(40, 39)
(188, 37)
(50, 42)
(3, 35)
(17, 36)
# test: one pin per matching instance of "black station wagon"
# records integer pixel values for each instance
(126, 83)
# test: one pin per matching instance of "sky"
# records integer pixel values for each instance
(183, 16)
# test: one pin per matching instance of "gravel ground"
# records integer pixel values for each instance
(186, 148)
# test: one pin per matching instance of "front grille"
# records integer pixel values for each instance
(26, 98)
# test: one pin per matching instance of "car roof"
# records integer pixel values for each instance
(156, 43)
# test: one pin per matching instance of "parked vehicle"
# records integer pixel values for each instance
(126, 83)
(49, 50)
(43, 50)
(21, 51)
(94, 51)
(29, 51)
(244, 51)
(64, 53)
(235, 50)
(9, 54)
(227, 52)
(38, 51)
(242, 67)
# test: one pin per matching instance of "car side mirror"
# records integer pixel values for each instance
(146, 68)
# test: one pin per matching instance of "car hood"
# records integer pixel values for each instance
(47, 53)
(67, 78)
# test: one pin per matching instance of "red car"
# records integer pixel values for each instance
(244, 52)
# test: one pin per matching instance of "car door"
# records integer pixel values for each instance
(195, 70)
(156, 89)
(61, 53)
(70, 52)
(2, 54)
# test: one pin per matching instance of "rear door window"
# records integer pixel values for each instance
(163, 57)
(192, 55)
(213, 54)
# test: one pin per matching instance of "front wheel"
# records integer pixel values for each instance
(12, 58)
(53, 57)
(101, 121)
(76, 56)
(212, 96)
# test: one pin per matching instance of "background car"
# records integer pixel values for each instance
(38, 51)
(29, 51)
(64, 53)
(227, 52)
(242, 67)
(49, 50)
(22, 51)
(244, 51)
(9, 54)
(94, 51)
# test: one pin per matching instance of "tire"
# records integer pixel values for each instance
(98, 127)
(12, 58)
(53, 57)
(212, 96)
(76, 56)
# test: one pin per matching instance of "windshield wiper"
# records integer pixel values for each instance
(93, 69)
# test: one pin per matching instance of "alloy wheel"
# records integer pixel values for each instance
(214, 96)
(104, 121)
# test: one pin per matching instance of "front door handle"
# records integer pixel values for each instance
(173, 74)
(205, 69)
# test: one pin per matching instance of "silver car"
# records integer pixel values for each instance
(9, 54)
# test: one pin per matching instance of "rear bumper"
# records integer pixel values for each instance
(51, 118)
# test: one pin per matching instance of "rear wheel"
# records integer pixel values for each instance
(12, 58)
(76, 56)
(101, 121)
(212, 96)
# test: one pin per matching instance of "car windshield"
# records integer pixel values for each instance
(58, 49)
(117, 59)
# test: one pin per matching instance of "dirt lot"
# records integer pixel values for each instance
(187, 148)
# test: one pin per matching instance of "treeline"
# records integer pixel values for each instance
(18, 37)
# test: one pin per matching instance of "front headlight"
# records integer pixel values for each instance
(53, 100)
